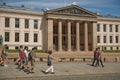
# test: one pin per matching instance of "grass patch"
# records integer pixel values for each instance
(16, 51)
(112, 51)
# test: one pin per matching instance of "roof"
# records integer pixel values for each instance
(20, 9)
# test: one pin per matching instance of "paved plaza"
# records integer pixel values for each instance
(64, 71)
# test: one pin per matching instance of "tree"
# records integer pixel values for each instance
(1, 39)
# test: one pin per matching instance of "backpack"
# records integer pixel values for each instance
(22, 54)
(30, 56)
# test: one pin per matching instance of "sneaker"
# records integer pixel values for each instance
(52, 72)
(46, 72)
(5, 65)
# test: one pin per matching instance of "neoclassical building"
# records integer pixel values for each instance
(69, 28)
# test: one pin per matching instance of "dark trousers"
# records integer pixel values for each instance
(97, 63)
(94, 61)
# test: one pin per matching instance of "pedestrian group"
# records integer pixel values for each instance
(28, 57)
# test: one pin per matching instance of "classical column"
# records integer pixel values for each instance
(77, 36)
(69, 35)
(94, 38)
(60, 35)
(50, 34)
(86, 36)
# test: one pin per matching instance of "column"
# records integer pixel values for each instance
(69, 35)
(77, 36)
(60, 35)
(22, 38)
(94, 38)
(86, 35)
(50, 34)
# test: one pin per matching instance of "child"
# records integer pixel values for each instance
(49, 63)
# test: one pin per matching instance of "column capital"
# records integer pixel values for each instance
(69, 20)
(49, 18)
(94, 21)
(59, 19)
(78, 21)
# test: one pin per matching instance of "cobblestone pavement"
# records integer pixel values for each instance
(64, 71)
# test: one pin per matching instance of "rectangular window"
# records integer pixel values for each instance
(98, 27)
(104, 39)
(26, 37)
(17, 23)
(35, 24)
(116, 28)
(35, 37)
(111, 39)
(26, 23)
(16, 37)
(7, 36)
(116, 39)
(7, 22)
(110, 27)
(98, 39)
(104, 27)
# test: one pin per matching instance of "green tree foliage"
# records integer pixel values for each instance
(1, 40)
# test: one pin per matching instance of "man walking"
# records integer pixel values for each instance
(96, 53)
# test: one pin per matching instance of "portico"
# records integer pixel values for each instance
(71, 28)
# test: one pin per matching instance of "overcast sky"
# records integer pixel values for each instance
(101, 6)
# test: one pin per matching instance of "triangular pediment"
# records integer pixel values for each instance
(73, 9)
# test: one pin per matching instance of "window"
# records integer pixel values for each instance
(35, 37)
(16, 23)
(7, 22)
(111, 39)
(117, 48)
(16, 47)
(26, 23)
(26, 37)
(98, 39)
(110, 27)
(16, 37)
(98, 27)
(111, 48)
(116, 39)
(116, 28)
(105, 48)
(35, 24)
(7, 36)
(104, 39)
(104, 27)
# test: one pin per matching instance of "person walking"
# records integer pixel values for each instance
(99, 59)
(25, 58)
(95, 56)
(31, 57)
(49, 63)
(19, 61)
(4, 55)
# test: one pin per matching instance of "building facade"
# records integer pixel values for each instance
(69, 28)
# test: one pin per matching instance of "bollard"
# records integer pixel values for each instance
(104, 59)
(83, 59)
(117, 59)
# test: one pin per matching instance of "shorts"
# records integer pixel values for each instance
(3, 56)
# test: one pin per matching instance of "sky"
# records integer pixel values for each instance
(103, 7)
